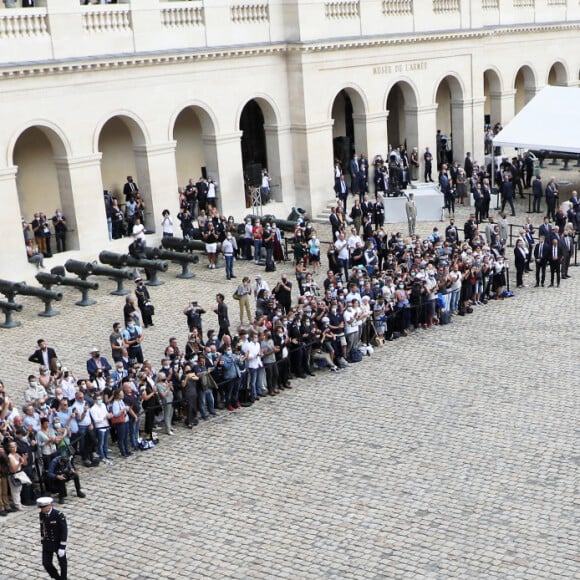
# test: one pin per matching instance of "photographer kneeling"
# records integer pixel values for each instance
(60, 471)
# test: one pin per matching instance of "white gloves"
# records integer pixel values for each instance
(61, 553)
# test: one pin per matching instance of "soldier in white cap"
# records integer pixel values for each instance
(53, 533)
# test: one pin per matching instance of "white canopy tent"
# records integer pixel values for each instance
(550, 121)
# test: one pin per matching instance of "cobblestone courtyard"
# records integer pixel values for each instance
(448, 454)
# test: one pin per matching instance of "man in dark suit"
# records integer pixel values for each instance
(130, 189)
(468, 166)
(537, 191)
(555, 260)
(567, 245)
(341, 190)
(428, 160)
(540, 257)
(551, 198)
(334, 223)
(43, 355)
(507, 194)
(546, 229)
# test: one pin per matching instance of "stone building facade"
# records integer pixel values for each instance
(166, 90)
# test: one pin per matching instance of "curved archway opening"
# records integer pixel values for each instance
(122, 145)
(402, 127)
(450, 127)
(348, 131)
(492, 93)
(44, 190)
(525, 87)
(260, 150)
(557, 76)
(193, 154)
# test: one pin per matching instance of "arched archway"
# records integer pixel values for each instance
(122, 142)
(192, 126)
(402, 120)
(258, 123)
(492, 90)
(43, 180)
(348, 129)
(525, 87)
(450, 121)
(558, 75)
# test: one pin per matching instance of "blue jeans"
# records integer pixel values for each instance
(134, 433)
(254, 385)
(123, 438)
(232, 390)
(257, 250)
(229, 266)
(206, 403)
(103, 443)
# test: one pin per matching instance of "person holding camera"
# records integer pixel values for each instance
(60, 471)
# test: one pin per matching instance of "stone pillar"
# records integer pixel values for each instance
(426, 130)
(81, 195)
(461, 128)
(157, 179)
(146, 23)
(477, 143)
(502, 106)
(279, 153)
(13, 261)
(223, 157)
(313, 165)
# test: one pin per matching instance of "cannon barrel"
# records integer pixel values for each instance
(7, 286)
(79, 268)
(49, 279)
(4, 306)
(147, 264)
(178, 244)
(26, 290)
(123, 274)
(178, 256)
(199, 245)
(150, 253)
(112, 259)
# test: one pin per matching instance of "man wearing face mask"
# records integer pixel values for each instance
(281, 351)
(133, 337)
(35, 392)
(97, 363)
(100, 417)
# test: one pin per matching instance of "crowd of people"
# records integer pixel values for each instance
(378, 287)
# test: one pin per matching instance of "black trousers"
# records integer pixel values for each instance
(47, 558)
(59, 485)
(540, 269)
(554, 270)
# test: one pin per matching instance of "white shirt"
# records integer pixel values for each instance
(139, 232)
(167, 224)
(252, 349)
(350, 322)
(341, 247)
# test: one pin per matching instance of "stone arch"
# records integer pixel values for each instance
(492, 91)
(348, 110)
(557, 75)
(401, 103)
(193, 127)
(449, 96)
(56, 136)
(525, 86)
(258, 120)
(40, 150)
(122, 138)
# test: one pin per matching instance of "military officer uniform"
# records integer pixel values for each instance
(53, 533)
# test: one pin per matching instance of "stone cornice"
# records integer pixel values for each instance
(116, 61)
